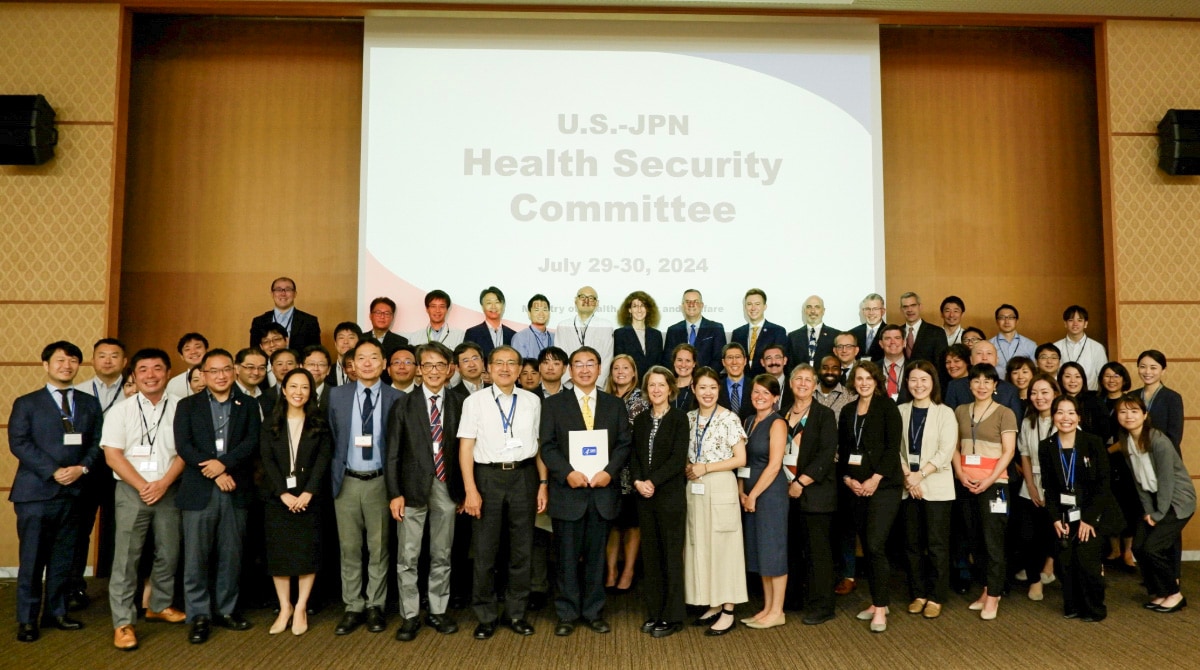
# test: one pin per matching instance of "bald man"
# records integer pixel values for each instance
(958, 392)
(815, 340)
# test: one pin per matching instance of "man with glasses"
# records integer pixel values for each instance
(300, 328)
(587, 329)
(1008, 342)
(845, 350)
(250, 370)
(1048, 358)
(383, 314)
(872, 311)
(921, 341)
(402, 368)
(708, 337)
(275, 338)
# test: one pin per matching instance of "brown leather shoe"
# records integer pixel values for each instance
(845, 587)
(125, 639)
(169, 615)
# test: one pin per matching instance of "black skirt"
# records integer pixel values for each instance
(293, 540)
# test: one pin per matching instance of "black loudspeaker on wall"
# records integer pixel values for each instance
(1179, 142)
(27, 134)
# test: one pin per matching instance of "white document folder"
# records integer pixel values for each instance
(589, 451)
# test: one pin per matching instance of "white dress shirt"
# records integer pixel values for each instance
(144, 431)
(483, 415)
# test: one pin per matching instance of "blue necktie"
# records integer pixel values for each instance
(692, 336)
(735, 396)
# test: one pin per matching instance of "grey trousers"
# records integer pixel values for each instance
(133, 518)
(440, 517)
(214, 534)
(363, 507)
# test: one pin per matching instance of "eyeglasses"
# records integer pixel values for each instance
(469, 359)
(283, 290)
(845, 346)
(381, 312)
(1006, 317)
(584, 365)
(252, 368)
(972, 340)
(434, 367)
(583, 297)
(404, 364)
(505, 364)
(1048, 357)
(222, 371)
(272, 340)
(318, 366)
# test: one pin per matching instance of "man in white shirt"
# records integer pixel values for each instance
(402, 368)
(192, 347)
(586, 328)
(1077, 347)
(437, 306)
(139, 446)
(953, 309)
(1008, 342)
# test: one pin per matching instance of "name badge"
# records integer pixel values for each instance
(697, 488)
(147, 466)
(999, 506)
(973, 459)
(1073, 515)
(855, 459)
(743, 473)
(914, 459)
(290, 483)
(140, 451)
(363, 441)
(220, 445)
(73, 439)
(513, 443)
(1067, 499)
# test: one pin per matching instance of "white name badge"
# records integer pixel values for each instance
(147, 466)
(1066, 499)
(220, 445)
(73, 439)
(855, 459)
(513, 443)
(743, 473)
(363, 441)
(914, 459)
(290, 483)
(140, 451)
(1073, 515)
(697, 488)
(999, 506)
(974, 459)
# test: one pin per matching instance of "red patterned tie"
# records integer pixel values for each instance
(435, 427)
(893, 385)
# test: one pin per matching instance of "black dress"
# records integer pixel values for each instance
(293, 539)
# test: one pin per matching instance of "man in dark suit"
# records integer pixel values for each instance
(492, 332)
(316, 361)
(383, 314)
(216, 436)
(581, 507)
(922, 341)
(708, 337)
(302, 328)
(359, 415)
(468, 357)
(55, 434)
(757, 333)
(892, 364)
(735, 385)
(283, 361)
(815, 340)
(845, 351)
(425, 487)
(872, 311)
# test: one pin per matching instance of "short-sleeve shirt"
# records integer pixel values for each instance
(984, 439)
(136, 424)
(718, 440)
(483, 415)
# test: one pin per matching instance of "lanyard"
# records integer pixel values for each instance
(582, 337)
(1068, 471)
(429, 331)
(68, 417)
(858, 430)
(1078, 354)
(96, 392)
(540, 344)
(700, 434)
(286, 326)
(506, 423)
(362, 420)
(293, 447)
(915, 432)
(146, 425)
(974, 423)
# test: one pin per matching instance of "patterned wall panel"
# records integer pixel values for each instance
(8, 462)
(68, 53)
(1169, 328)
(1151, 68)
(28, 328)
(56, 220)
(1182, 376)
(15, 381)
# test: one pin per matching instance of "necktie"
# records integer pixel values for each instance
(735, 396)
(908, 343)
(68, 426)
(870, 341)
(368, 425)
(692, 336)
(588, 419)
(893, 384)
(435, 427)
(753, 342)
(812, 344)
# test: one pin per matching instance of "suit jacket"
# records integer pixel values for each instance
(929, 343)
(1093, 496)
(479, 334)
(195, 442)
(323, 400)
(267, 400)
(1175, 488)
(560, 416)
(666, 470)
(798, 346)
(341, 404)
(409, 466)
(860, 334)
(1166, 413)
(710, 339)
(817, 459)
(959, 393)
(939, 444)
(902, 379)
(312, 460)
(723, 399)
(306, 329)
(35, 436)
(625, 341)
(880, 442)
(770, 333)
(390, 343)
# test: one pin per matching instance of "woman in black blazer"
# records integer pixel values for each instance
(809, 465)
(1078, 500)
(660, 444)
(296, 450)
(638, 335)
(869, 466)
(1164, 405)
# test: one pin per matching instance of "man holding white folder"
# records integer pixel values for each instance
(586, 439)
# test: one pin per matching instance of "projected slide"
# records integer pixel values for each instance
(541, 164)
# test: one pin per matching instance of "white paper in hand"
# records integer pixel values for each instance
(589, 451)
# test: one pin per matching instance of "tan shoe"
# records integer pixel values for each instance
(932, 610)
(125, 639)
(169, 615)
(845, 587)
(917, 606)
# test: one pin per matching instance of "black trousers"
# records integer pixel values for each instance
(810, 553)
(46, 535)
(987, 531)
(581, 565)
(873, 518)
(1156, 548)
(1036, 532)
(510, 494)
(97, 495)
(1079, 566)
(927, 548)
(663, 520)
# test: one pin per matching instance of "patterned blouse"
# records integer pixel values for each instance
(718, 433)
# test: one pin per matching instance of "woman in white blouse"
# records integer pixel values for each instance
(1037, 535)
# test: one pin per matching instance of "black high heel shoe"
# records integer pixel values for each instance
(712, 632)
(1174, 608)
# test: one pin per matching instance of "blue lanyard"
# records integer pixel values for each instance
(506, 423)
(700, 434)
(537, 340)
(1069, 471)
(915, 432)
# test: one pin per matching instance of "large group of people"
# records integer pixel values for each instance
(493, 468)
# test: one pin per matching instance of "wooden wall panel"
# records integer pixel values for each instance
(243, 165)
(991, 184)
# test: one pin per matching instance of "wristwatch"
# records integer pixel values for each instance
(85, 469)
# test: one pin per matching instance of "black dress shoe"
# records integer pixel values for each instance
(442, 623)
(649, 624)
(408, 630)
(485, 631)
(664, 629)
(27, 632)
(350, 621)
(376, 621)
(233, 621)
(200, 630)
(816, 619)
(713, 632)
(458, 603)
(1174, 608)
(564, 628)
(537, 600)
(78, 600)
(61, 623)
(706, 620)
(599, 625)
(520, 627)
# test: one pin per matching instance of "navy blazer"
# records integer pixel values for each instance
(195, 442)
(625, 341)
(860, 335)
(560, 416)
(723, 399)
(35, 436)
(408, 469)
(771, 333)
(1166, 413)
(798, 346)
(901, 379)
(341, 404)
(710, 339)
(479, 334)
(306, 329)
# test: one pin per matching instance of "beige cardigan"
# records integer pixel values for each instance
(939, 444)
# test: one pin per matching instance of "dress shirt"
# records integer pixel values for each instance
(886, 365)
(531, 341)
(481, 421)
(106, 394)
(446, 335)
(220, 418)
(405, 389)
(596, 332)
(354, 457)
(579, 396)
(285, 318)
(141, 422)
(953, 338)
(180, 386)
(253, 393)
(1088, 353)
(1006, 351)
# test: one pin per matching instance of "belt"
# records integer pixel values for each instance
(509, 465)
(365, 476)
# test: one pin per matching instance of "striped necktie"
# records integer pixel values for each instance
(435, 427)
